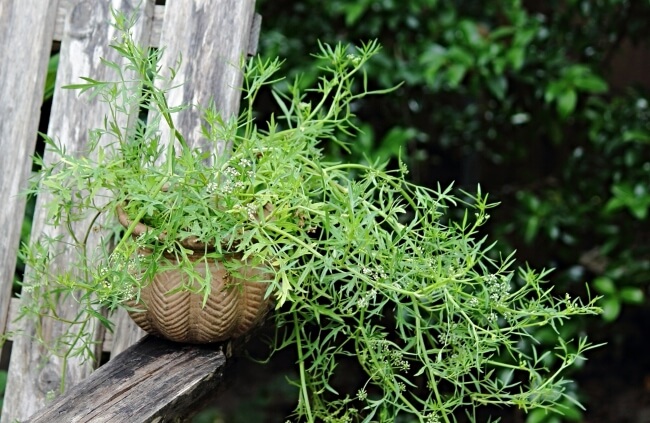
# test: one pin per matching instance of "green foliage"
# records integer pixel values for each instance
(512, 84)
(3, 385)
(50, 79)
(366, 266)
(514, 95)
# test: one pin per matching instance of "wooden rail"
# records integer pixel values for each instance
(211, 36)
(152, 381)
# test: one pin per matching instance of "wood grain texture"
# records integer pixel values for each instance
(156, 30)
(152, 381)
(34, 371)
(211, 37)
(23, 66)
(125, 334)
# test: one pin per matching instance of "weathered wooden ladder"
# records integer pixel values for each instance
(152, 380)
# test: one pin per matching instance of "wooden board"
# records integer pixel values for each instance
(34, 372)
(23, 66)
(152, 381)
(211, 56)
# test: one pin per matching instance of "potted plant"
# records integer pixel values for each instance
(353, 261)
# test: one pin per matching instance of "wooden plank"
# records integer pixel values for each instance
(152, 381)
(256, 28)
(126, 333)
(23, 66)
(156, 30)
(212, 38)
(34, 372)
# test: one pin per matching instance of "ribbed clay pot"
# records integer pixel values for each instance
(235, 304)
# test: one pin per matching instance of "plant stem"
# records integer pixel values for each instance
(297, 326)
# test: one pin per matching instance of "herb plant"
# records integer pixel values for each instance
(366, 266)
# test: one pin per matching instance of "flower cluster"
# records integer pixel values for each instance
(365, 301)
(235, 177)
(498, 289)
(120, 276)
(375, 274)
(394, 358)
(432, 418)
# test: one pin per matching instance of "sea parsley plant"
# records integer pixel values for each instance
(371, 274)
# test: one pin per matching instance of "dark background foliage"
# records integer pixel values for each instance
(545, 105)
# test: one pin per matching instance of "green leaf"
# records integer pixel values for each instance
(354, 11)
(636, 135)
(457, 55)
(395, 141)
(532, 228)
(554, 90)
(591, 83)
(498, 85)
(636, 199)
(632, 295)
(566, 102)
(604, 285)
(470, 32)
(611, 308)
(538, 415)
(50, 79)
(434, 58)
(541, 415)
(516, 56)
(455, 74)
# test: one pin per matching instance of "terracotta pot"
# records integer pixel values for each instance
(235, 305)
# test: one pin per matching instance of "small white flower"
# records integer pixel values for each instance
(432, 418)
(231, 171)
(227, 187)
(364, 301)
(354, 58)
(212, 187)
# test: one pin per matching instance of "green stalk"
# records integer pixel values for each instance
(301, 364)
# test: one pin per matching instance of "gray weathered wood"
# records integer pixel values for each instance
(152, 381)
(212, 53)
(23, 65)
(126, 333)
(34, 371)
